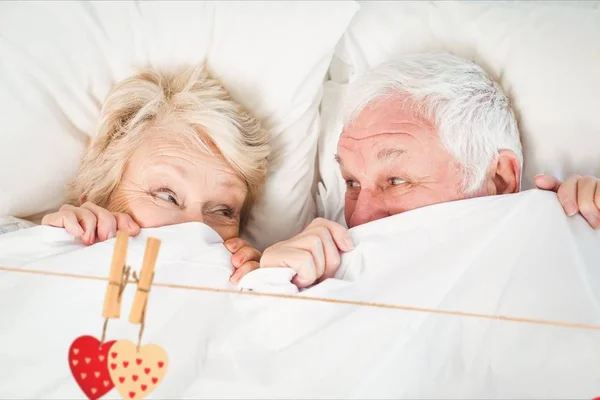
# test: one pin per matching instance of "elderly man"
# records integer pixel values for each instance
(427, 129)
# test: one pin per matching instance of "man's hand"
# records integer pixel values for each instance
(91, 223)
(314, 254)
(245, 258)
(576, 194)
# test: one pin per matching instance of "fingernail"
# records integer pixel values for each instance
(570, 209)
(132, 225)
(537, 176)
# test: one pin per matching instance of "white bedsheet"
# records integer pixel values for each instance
(516, 255)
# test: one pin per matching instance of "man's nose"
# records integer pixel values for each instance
(370, 206)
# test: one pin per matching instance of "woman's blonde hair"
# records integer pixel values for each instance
(218, 125)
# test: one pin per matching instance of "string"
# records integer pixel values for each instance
(103, 332)
(143, 319)
(326, 300)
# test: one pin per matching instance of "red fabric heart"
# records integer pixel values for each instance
(88, 366)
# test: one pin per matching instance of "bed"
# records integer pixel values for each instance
(484, 298)
(488, 298)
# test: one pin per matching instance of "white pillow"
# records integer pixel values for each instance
(331, 186)
(59, 61)
(546, 55)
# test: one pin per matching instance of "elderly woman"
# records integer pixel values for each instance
(170, 148)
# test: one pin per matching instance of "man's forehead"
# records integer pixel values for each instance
(388, 115)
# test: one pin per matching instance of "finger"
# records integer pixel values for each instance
(244, 255)
(125, 223)
(567, 195)
(299, 260)
(87, 220)
(597, 195)
(547, 182)
(340, 235)
(242, 271)
(586, 191)
(66, 220)
(234, 244)
(331, 253)
(313, 244)
(106, 223)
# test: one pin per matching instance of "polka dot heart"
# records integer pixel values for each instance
(136, 374)
(87, 360)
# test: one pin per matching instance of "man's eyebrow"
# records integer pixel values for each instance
(337, 158)
(389, 154)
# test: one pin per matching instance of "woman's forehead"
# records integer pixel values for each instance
(163, 154)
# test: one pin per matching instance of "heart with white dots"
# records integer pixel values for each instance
(87, 360)
(135, 373)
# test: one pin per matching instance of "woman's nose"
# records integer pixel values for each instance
(370, 206)
(194, 214)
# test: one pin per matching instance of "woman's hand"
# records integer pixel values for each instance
(314, 253)
(576, 194)
(245, 258)
(91, 223)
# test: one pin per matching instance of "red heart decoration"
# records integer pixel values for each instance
(86, 360)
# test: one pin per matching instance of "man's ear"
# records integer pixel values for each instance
(506, 176)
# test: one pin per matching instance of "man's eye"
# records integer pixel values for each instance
(350, 184)
(167, 197)
(397, 181)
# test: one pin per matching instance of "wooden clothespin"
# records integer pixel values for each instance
(138, 310)
(117, 279)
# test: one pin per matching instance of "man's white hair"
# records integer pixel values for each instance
(473, 116)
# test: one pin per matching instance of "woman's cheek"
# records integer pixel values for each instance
(150, 216)
(227, 232)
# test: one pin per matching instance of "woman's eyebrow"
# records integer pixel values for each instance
(231, 183)
(163, 166)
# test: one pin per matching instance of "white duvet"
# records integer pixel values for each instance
(517, 256)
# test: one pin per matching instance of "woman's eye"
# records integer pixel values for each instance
(167, 197)
(226, 212)
(397, 181)
(350, 184)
